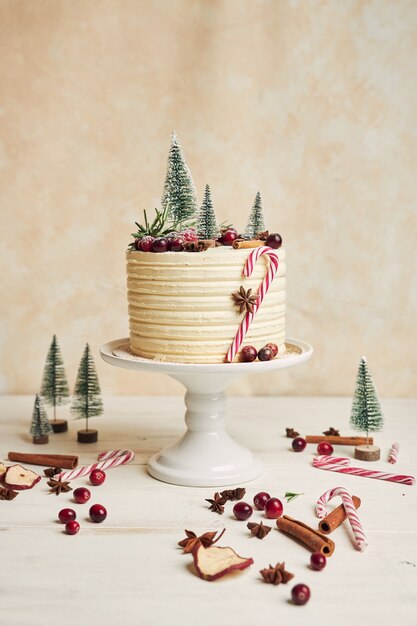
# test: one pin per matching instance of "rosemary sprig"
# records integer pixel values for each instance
(160, 226)
(291, 496)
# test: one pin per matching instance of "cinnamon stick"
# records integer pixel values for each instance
(339, 441)
(329, 523)
(311, 538)
(244, 243)
(65, 461)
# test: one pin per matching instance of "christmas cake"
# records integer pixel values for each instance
(200, 293)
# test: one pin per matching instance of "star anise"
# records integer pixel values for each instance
(199, 246)
(192, 541)
(51, 471)
(7, 494)
(332, 432)
(276, 575)
(244, 299)
(216, 503)
(263, 236)
(259, 530)
(291, 433)
(58, 486)
(233, 494)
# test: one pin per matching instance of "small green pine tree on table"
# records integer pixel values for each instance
(207, 227)
(40, 427)
(179, 191)
(54, 388)
(366, 415)
(86, 401)
(256, 222)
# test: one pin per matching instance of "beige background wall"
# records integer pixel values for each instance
(313, 103)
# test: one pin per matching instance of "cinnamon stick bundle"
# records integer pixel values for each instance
(311, 538)
(65, 461)
(329, 523)
(244, 243)
(339, 441)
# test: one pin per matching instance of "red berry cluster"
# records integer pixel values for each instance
(268, 352)
(174, 242)
(81, 495)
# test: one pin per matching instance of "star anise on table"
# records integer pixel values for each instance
(216, 503)
(233, 494)
(244, 299)
(58, 486)
(191, 541)
(259, 530)
(276, 575)
(291, 433)
(51, 471)
(332, 432)
(7, 494)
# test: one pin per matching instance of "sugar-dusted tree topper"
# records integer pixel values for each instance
(86, 401)
(40, 425)
(256, 222)
(207, 227)
(366, 415)
(54, 388)
(179, 191)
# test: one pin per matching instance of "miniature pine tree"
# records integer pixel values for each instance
(179, 191)
(40, 426)
(86, 401)
(207, 227)
(256, 223)
(366, 415)
(54, 389)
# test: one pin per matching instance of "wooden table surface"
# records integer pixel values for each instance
(129, 569)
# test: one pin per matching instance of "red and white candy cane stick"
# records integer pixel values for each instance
(266, 283)
(393, 453)
(111, 458)
(360, 539)
(342, 465)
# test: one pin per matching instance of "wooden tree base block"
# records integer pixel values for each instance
(59, 426)
(367, 453)
(44, 439)
(87, 436)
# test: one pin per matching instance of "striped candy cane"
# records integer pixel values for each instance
(342, 465)
(360, 539)
(393, 453)
(111, 458)
(247, 271)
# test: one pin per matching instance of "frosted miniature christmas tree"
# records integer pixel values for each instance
(207, 227)
(54, 388)
(179, 191)
(86, 401)
(256, 222)
(40, 426)
(366, 415)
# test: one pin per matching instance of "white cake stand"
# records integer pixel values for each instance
(205, 456)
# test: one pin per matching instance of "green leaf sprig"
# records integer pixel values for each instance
(160, 226)
(291, 496)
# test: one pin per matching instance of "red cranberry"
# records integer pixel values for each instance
(145, 244)
(273, 508)
(325, 448)
(72, 528)
(248, 354)
(274, 241)
(265, 354)
(137, 244)
(318, 561)
(242, 510)
(300, 594)
(97, 513)
(229, 237)
(273, 347)
(66, 515)
(189, 235)
(81, 495)
(298, 444)
(177, 243)
(160, 244)
(260, 500)
(97, 477)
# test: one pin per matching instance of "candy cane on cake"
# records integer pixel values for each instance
(360, 539)
(342, 465)
(393, 453)
(247, 271)
(111, 458)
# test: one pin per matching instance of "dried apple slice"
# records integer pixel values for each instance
(214, 562)
(19, 478)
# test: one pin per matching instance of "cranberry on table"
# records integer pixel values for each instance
(265, 354)
(97, 477)
(273, 508)
(298, 444)
(300, 594)
(97, 513)
(274, 241)
(66, 515)
(242, 510)
(81, 495)
(160, 244)
(248, 354)
(72, 528)
(325, 447)
(273, 347)
(318, 561)
(260, 500)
